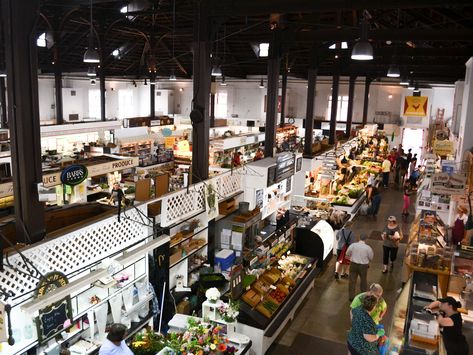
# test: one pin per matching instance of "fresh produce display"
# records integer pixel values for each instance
(292, 265)
(277, 295)
(267, 308)
(251, 297)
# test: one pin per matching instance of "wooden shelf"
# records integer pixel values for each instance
(188, 255)
(186, 238)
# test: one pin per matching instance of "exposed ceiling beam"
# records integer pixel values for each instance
(259, 7)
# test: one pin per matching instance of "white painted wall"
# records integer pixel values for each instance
(245, 98)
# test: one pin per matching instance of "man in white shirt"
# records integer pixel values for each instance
(360, 255)
(115, 342)
(386, 170)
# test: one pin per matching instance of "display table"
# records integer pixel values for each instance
(178, 324)
(263, 331)
(443, 277)
(404, 332)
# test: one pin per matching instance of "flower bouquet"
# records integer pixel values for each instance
(212, 294)
(148, 343)
(228, 311)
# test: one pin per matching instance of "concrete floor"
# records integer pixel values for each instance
(321, 325)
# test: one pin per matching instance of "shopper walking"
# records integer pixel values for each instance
(380, 308)
(391, 238)
(360, 255)
(451, 324)
(115, 344)
(345, 237)
(407, 189)
(373, 197)
(386, 170)
(363, 335)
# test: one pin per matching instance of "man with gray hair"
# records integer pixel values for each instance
(379, 310)
(360, 255)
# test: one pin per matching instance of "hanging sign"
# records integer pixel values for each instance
(74, 174)
(3, 323)
(415, 106)
(52, 318)
(169, 142)
(443, 147)
(448, 184)
(211, 201)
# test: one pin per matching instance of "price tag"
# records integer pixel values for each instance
(272, 287)
(274, 243)
(248, 288)
(456, 253)
(281, 239)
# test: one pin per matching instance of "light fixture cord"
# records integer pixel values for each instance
(91, 43)
(173, 25)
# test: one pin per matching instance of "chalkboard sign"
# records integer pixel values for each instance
(51, 319)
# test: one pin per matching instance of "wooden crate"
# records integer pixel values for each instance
(227, 206)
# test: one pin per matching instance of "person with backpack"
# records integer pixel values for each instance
(345, 237)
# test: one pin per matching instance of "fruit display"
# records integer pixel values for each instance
(261, 286)
(272, 276)
(277, 295)
(251, 297)
(292, 265)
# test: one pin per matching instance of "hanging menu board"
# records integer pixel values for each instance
(285, 165)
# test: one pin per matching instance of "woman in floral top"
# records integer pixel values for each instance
(362, 338)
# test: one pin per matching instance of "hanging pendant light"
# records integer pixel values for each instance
(91, 55)
(91, 72)
(261, 84)
(404, 81)
(394, 71)
(223, 82)
(411, 85)
(216, 70)
(416, 88)
(3, 73)
(172, 77)
(363, 50)
(146, 82)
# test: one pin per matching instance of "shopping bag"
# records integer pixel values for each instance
(364, 209)
(343, 258)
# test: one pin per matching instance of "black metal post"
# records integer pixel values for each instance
(3, 104)
(274, 63)
(19, 19)
(152, 99)
(283, 98)
(309, 116)
(351, 98)
(103, 111)
(58, 80)
(213, 90)
(365, 101)
(201, 88)
(58, 94)
(332, 138)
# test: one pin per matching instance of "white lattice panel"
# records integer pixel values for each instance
(74, 251)
(182, 204)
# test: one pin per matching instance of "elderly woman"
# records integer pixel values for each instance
(379, 309)
(363, 337)
(391, 238)
(115, 342)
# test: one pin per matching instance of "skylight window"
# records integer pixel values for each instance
(41, 40)
(344, 46)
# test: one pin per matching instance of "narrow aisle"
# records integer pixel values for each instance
(321, 325)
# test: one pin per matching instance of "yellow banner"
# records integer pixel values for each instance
(415, 106)
(443, 148)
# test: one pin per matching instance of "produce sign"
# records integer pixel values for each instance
(448, 184)
(444, 147)
(52, 318)
(74, 174)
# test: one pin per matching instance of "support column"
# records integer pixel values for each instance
(152, 98)
(19, 19)
(103, 116)
(332, 138)
(365, 101)
(58, 80)
(58, 94)
(213, 89)
(201, 88)
(274, 63)
(3, 105)
(309, 116)
(351, 98)
(283, 98)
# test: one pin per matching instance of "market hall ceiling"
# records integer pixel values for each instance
(431, 40)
